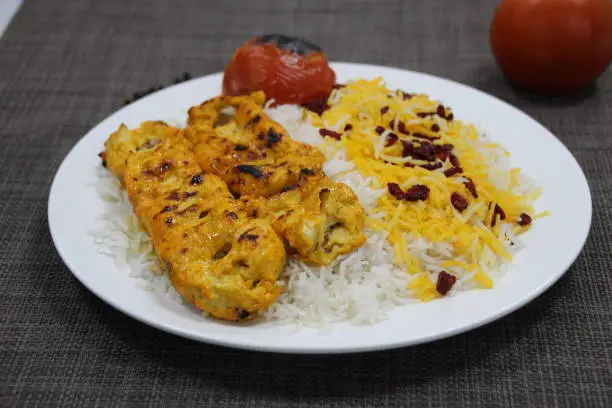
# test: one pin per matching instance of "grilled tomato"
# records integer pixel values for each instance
(289, 70)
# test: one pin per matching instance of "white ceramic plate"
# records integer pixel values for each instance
(552, 245)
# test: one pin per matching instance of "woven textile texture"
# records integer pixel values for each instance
(67, 64)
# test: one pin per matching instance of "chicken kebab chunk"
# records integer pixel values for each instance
(221, 257)
(235, 139)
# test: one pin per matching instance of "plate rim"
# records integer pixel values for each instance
(438, 335)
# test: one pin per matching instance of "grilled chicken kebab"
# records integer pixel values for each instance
(222, 256)
(235, 139)
(227, 197)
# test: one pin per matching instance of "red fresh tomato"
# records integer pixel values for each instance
(288, 69)
(552, 45)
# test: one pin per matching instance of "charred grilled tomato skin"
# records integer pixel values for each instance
(289, 70)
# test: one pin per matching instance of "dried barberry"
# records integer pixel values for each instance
(469, 184)
(524, 219)
(391, 139)
(401, 127)
(417, 192)
(445, 282)
(395, 190)
(453, 171)
(330, 133)
(432, 166)
(497, 211)
(426, 151)
(453, 159)
(459, 202)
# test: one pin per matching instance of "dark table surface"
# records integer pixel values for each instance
(67, 64)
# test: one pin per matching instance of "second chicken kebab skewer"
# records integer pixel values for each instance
(234, 138)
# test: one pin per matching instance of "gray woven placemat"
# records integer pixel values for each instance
(67, 64)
